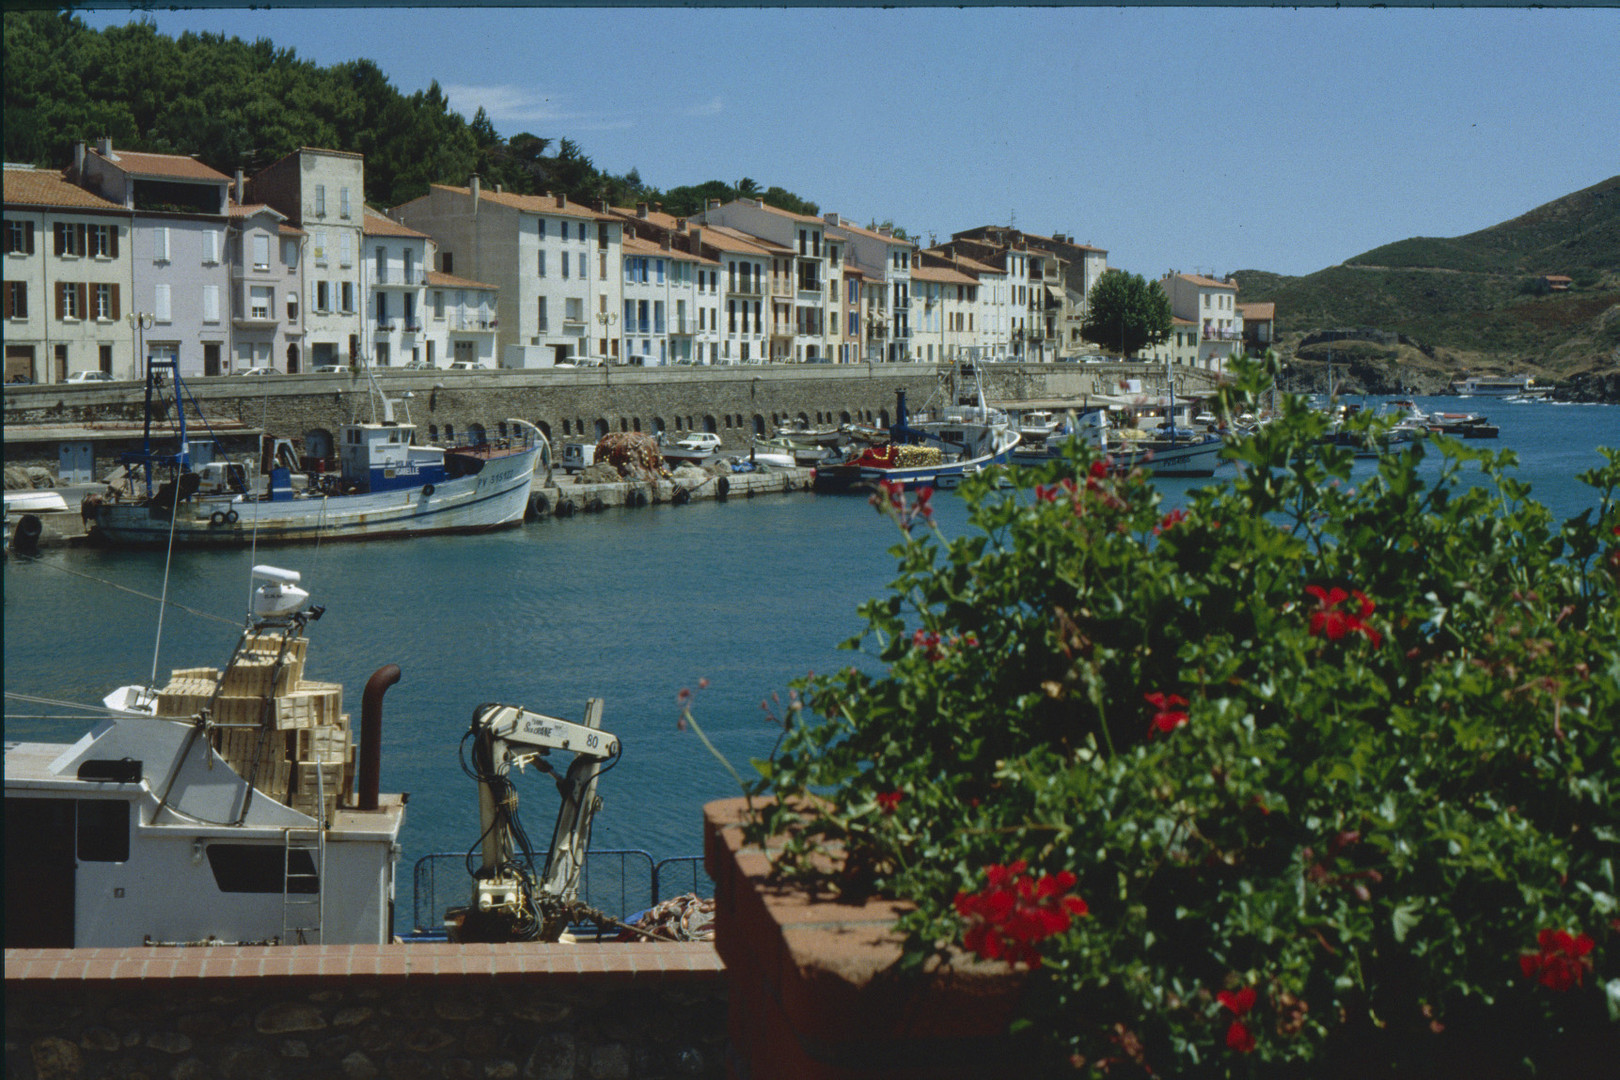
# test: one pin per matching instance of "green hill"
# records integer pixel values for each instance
(1478, 301)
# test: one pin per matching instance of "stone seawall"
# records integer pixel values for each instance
(404, 1012)
(568, 405)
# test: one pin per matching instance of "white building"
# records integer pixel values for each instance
(557, 265)
(800, 240)
(1211, 305)
(662, 302)
(266, 308)
(461, 322)
(67, 276)
(322, 192)
(394, 268)
(751, 328)
(944, 307)
(885, 261)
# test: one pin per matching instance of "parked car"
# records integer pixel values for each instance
(259, 371)
(464, 365)
(576, 456)
(331, 369)
(90, 376)
(418, 365)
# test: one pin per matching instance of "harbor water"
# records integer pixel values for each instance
(632, 606)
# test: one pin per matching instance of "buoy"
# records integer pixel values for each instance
(539, 505)
(232, 517)
(427, 489)
(25, 537)
(217, 518)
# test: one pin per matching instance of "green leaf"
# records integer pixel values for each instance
(1406, 917)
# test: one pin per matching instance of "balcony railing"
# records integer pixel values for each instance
(413, 326)
(466, 323)
(392, 275)
(1221, 335)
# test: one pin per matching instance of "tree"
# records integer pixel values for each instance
(1127, 312)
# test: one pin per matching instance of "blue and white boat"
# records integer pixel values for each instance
(929, 453)
(386, 486)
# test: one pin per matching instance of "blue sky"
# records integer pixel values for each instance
(1210, 139)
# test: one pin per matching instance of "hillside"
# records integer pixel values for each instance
(1477, 301)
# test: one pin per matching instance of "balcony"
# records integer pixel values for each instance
(468, 324)
(1211, 334)
(254, 320)
(403, 277)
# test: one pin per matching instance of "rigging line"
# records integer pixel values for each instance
(269, 485)
(168, 560)
(143, 596)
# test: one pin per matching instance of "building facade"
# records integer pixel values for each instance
(1211, 305)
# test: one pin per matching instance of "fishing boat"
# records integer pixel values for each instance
(1493, 386)
(386, 486)
(230, 805)
(934, 453)
(1466, 425)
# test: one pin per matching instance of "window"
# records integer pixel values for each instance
(319, 241)
(262, 868)
(565, 264)
(348, 249)
(574, 309)
(543, 262)
(543, 323)
(260, 299)
(19, 238)
(104, 299)
(320, 200)
(292, 306)
(582, 270)
(642, 322)
(289, 253)
(731, 316)
(382, 266)
(103, 829)
(540, 230)
(160, 301)
(323, 296)
(70, 300)
(343, 202)
(348, 298)
(261, 252)
(660, 271)
(16, 299)
(658, 317)
(438, 304)
(629, 315)
(601, 265)
(103, 241)
(582, 237)
(70, 239)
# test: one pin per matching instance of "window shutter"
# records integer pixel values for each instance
(8, 312)
(59, 232)
(213, 246)
(83, 306)
(61, 300)
(162, 302)
(81, 233)
(112, 242)
(162, 244)
(116, 312)
(210, 303)
(261, 250)
(28, 238)
(348, 249)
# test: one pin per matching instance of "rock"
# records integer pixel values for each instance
(373, 1038)
(610, 1062)
(543, 1011)
(458, 1009)
(99, 1038)
(501, 1070)
(169, 1042)
(357, 1014)
(552, 1058)
(245, 1061)
(427, 1040)
(410, 1067)
(17, 478)
(287, 1017)
(190, 1069)
(359, 1067)
(56, 1059)
(294, 1048)
(40, 477)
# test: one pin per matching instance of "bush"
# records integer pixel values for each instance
(1306, 779)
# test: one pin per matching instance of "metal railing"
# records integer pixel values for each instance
(618, 881)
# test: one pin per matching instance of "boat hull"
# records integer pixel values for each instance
(496, 497)
(1192, 459)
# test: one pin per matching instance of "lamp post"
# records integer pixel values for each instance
(140, 322)
(607, 319)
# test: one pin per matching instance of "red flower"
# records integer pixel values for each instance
(1016, 911)
(1239, 1038)
(928, 642)
(1170, 521)
(1331, 622)
(1562, 962)
(1169, 717)
(888, 801)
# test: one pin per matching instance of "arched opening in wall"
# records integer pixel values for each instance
(869, 418)
(679, 425)
(292, 359)
(759, 424)
(565, 429)
(658, 425)
(475, 434)
(433, 433)
(601, 427)
(635, 424)
(500, 429)
(545, 429)
(843, 417)
(776, 421)
(710, 425)
(318, 446)
(624, 425)
(804, 418)
(450, 434)
(883, 418)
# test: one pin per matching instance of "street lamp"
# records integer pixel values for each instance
(607, 319)
(140, 322)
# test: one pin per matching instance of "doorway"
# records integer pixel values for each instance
(210, 358)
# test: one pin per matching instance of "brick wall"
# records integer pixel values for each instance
(405, 1012)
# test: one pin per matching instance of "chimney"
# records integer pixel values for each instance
(78, 161)
(104, 144)
(714, 204)
(885, 230)
(641, 211)
(472, 186)
(562, 200)
(241, 184)
(680, 224)
(668, 243)
(697, 241)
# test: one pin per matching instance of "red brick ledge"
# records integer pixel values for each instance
(645, 962)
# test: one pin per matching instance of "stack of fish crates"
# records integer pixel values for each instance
(309, 751)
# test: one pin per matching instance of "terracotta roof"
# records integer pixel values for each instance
(164, 166)
(1065, 243)
(1177, 320)
(850, 226)
(246, 210)
(450, 281)
(726, 238)
(1208, 283)
(46, 187)
(312, 150)
(1259, 312)
(375, 224)
(942, 273)
(288, 229)
(965, 264)
(761, 204)
(534, 204)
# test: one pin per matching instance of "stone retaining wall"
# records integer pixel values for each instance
(404, 1012)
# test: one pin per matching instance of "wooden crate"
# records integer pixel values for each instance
(194, 674)
(305, 792)
(326, 745)
(250, 675)
(184, 697)
(269, 644)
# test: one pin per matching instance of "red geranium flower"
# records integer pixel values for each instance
(1016, 911)
(1562, 962)
(1169, 717)
(888, 801)
(1329, 621)
(1170, 520)
(1238, 1036)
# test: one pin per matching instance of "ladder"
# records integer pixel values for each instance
(303, 910)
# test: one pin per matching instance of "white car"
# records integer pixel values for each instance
(700, 440)
(89, 377)
(464, 365)
(259, 371)
(331, 369)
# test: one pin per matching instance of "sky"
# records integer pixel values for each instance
(1193, 139)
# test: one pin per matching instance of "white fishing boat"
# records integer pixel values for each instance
(934, 453)
(230, 805)
(387, 486)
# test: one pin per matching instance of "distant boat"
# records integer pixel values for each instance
(931, 453)
(386, 486)
(1493, 386)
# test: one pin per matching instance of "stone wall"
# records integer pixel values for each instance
(404, 1012)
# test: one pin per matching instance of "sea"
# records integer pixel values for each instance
(727, 601)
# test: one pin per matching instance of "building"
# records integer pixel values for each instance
(461, 321)
(1210, 304)
(661, 302)
(885, 262)
(67, 273)
(556, 265)
(266, 309)
(944, 305)
(799, 274)
(322, 193)
(394, 268)
(1003, 275)
(756, 297)
(1060, 274)
(1259, 326)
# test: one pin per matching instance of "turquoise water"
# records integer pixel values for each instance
(631, 606)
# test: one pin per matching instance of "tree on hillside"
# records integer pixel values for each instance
(783, 199)
(1126, 312)
(897, 231)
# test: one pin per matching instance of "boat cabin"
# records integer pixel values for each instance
(381, 457)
